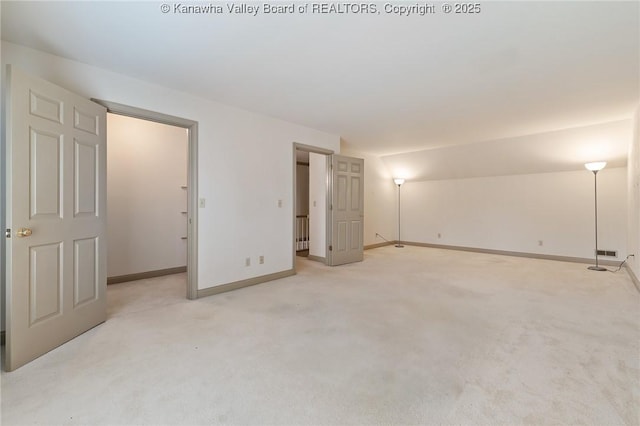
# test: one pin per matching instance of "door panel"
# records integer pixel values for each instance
(45, 282)
(45, 173)
(56, 170)
(356, 235)
(85, 177)
(355, 193)
(44, 107)
(86, 120)
(347, 210)
(85, 271)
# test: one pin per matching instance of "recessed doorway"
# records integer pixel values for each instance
(172, 224)
(310, 194)
(147, 207)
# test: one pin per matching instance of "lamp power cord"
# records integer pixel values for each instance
(621, 263)
(378, 235)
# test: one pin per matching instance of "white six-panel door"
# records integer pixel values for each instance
(347, 210)
(56, 192)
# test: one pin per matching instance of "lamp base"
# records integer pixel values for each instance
(596, 268)
(399, 246)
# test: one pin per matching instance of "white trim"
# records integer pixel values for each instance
(512, 253)
(308, 148)
(634, 278)
(244, 283)
(192, 179)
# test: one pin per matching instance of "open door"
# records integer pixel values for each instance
(347, 210)
(56, 217)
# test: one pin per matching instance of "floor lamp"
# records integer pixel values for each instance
(399, 182)
(595, 168)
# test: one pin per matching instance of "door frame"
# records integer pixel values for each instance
(192, 178)
(328, 153)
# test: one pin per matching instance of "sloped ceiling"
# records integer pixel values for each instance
(386, 84)
(558, 151)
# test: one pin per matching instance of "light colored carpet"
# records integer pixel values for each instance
(409, 336)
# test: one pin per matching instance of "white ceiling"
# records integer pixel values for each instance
(386, 84)
(557, 151)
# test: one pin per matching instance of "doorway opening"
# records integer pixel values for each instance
(146, 209)
(134, 211)
(302, 204)
(311, 202)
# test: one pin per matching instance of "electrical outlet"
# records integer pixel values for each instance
(279, 203)
(247, 261)
(261, 260)
(202, 203)
(540, 243)
(439, 235)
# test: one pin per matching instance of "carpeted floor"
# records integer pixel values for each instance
(409, 336)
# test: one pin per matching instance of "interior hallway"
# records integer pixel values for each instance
(408, 336)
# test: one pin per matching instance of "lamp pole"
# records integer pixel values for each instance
(595, 168)
(399, 182)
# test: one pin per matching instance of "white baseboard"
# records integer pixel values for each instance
(514, 253)
(633, 276)
(145, 275)
(244, 283)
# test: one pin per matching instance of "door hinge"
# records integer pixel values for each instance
(330, 248)
(331, 207)
(7, 233)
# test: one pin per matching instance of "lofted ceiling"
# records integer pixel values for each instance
(386, 84)
(557, 151)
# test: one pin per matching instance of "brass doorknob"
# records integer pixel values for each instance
(24, 232)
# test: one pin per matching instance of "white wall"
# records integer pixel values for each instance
(380, 199)
(317, 205)
(513, 213)
(244, 164)
(146, 167)
(633, 184)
